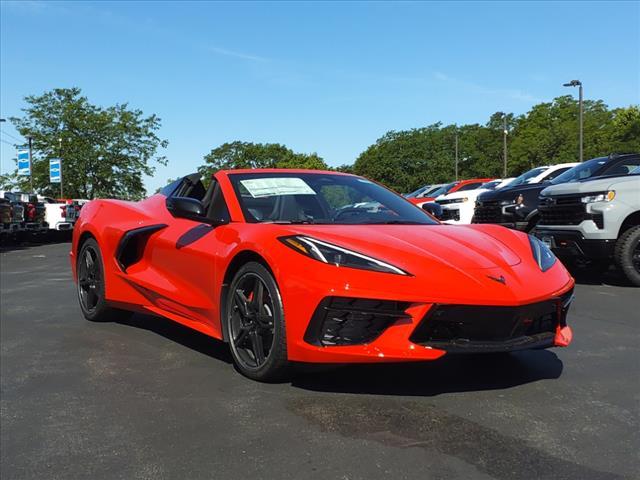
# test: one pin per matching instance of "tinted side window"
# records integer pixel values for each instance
(622, 167)
(470, 186)
(553, 175)
(217, 209)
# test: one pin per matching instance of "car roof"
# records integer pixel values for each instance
(474, 180)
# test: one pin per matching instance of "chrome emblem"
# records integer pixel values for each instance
(499, 279)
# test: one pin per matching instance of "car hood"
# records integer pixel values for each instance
(511, 192)
(423, 248)
(588, 185)
(471, 194)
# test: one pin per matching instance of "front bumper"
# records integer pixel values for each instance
(358, 330)
(570, 243)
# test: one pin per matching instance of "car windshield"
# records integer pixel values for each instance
(491, 185)
(584, 170)
(417, 192)
(321, 198)
(526, 176)
(443, 189)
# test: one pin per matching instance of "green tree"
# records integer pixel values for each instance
(408, 159)
(234, 155)
(624, 131)
(548, 133)
(105, 151)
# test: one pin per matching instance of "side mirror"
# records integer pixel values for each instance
(185, 207)
(433, 208)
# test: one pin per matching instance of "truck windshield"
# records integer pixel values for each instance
(584, 170)
(526, 176)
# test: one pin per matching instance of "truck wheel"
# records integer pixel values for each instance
(627, 254)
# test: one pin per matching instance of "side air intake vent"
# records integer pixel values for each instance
(132, 245)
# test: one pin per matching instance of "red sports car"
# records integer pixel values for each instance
(310, 266)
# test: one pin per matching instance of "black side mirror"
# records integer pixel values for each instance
(185, 207)
(433, 208)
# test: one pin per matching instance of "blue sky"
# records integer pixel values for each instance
(326, 77)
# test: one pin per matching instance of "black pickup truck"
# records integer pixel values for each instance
(517, 206)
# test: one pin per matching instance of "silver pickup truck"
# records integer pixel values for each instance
(597, 219)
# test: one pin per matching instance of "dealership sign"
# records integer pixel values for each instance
(24, 161)
(55, 170)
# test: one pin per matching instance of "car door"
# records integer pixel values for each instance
(182, 259)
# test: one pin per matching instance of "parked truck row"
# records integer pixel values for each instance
(24, 215)
(586, 212)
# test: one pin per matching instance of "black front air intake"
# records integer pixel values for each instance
(340, 321)
(485, 328)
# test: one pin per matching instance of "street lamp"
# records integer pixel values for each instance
(578, 83)
(505, 132)
(456, 153)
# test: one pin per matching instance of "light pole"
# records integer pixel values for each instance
(505, 132)
(60, 154)
(578, 83)
(456, 153)
(1, 162)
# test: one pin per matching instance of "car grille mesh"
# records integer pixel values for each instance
(340, 321)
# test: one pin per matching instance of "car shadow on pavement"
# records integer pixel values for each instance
(35, 241)
(452, 373)
(184, 336)
(599, 276)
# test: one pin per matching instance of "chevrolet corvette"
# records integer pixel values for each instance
(318, 267)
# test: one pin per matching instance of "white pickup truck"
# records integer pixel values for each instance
(596, 219)
(60, 215)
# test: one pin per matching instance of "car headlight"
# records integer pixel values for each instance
(543, 256)
(599, 197)
(518, 201)
(459, 200)
(332, 254)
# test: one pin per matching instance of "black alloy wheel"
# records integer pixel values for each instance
(90, 279)
(91, 285)
(255, 324)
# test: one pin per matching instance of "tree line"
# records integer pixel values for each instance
(107, 151)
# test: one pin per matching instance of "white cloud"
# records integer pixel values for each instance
(243, 56)
(514, 94)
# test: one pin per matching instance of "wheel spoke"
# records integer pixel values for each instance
(242, 302)
(256, 297)
(88, 261)
(264, 321)
(242, 337)
(257, 346)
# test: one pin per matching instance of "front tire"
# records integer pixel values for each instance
(255, 324)
(627, 254)
(91, 285)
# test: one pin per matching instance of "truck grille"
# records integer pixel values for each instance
(450, 214)
(487, 212)
(565, 210)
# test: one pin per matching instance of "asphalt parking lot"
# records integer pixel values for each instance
(149, 399)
